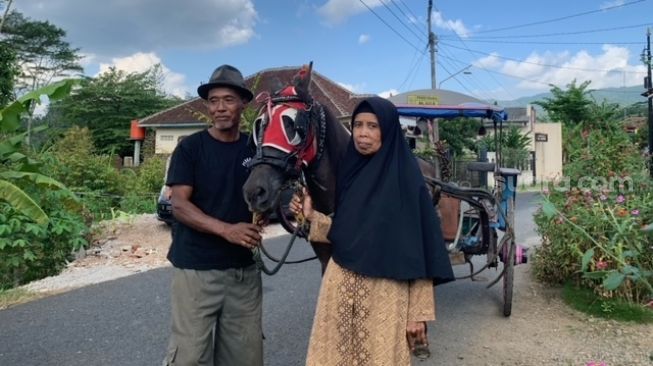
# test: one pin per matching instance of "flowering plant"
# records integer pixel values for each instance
(600, 236)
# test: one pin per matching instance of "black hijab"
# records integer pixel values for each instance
(384, 223)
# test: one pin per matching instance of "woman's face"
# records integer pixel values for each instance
(367, 133)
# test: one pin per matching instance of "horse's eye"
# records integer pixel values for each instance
(256, 129)
(288, 117)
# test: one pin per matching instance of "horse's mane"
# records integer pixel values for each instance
(323, 175)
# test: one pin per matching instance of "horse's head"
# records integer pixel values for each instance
(286, 135)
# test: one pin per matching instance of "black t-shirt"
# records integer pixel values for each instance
(216, 170)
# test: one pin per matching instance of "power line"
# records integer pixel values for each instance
(416, 61)
(530, 62)
(556, 43)
(459, 83)
(503, 73)
(478, 84)
(562, 18)
(400, 21)
(421, 60)
(492, 76)
(560, 33)
(407, 8)
(395, 3)
(389, 26)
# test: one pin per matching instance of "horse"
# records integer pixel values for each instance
(294, 135)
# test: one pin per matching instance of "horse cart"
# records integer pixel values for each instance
(476, 221)
(299, 142)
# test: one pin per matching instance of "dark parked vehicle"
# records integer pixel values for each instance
(164, 207)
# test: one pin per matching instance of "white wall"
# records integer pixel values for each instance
(167, 138)
(548, 155)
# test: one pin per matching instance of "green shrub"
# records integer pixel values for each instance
(30, 251)
(591, 226)
(143, 185)
(94, 178)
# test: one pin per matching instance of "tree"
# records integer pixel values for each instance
(8, 73)
(571, 106)
(15, 167)
(42, 55)
(459, 133)
(41, 52)
(107, 104)
(514, 146)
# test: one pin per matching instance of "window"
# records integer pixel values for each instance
(166, 138)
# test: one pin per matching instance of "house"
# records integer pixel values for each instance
(172, 124)
(545, 147)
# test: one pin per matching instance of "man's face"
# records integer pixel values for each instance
(225, 106)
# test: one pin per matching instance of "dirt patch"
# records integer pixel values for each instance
(543, 330)
(120, 248)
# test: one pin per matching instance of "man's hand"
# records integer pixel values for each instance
(243, 234)
(416, 334)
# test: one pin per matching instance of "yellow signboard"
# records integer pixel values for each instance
(423, 99)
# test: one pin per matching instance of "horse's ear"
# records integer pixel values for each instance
(276, 84)
(302, 80)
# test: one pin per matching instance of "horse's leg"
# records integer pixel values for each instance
(323, 253)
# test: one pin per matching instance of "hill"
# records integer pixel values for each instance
(623, 96)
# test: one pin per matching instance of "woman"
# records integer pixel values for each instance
(388, 252)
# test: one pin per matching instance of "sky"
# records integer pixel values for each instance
(492, 50)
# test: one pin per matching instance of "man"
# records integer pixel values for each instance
(216, 288)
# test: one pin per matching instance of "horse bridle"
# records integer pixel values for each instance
(310, 125)
(305, 126)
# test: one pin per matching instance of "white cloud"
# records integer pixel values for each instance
(454, 25)
(488, 62)
(354, 88)
(388, 93)
(609, 4)
(610, 68)
(337, 11)
(173, 83)
(109, 28)
(363, 38)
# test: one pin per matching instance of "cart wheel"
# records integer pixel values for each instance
(509, 262)
(508, 279)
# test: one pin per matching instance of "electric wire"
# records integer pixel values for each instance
(597, 30)
(388, 25)
(401, 21)
(532, 63)
(415, 62)
(562, 18)
(410, 17)
(500, 84)
(555, 43)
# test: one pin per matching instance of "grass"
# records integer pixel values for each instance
(586, 301)
(16, 296)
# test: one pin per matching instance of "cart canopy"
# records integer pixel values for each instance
(453, 111)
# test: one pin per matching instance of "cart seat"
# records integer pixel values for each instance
(480, 166)
(449, 208)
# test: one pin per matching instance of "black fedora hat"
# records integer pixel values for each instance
(229, 76)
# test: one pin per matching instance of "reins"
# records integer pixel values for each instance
(301, 230)
(315, 132)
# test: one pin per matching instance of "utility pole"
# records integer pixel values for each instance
(434, 128)
(433, 40)
(650, 102)
(649, 92)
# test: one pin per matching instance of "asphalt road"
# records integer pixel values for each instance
(126, 321)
